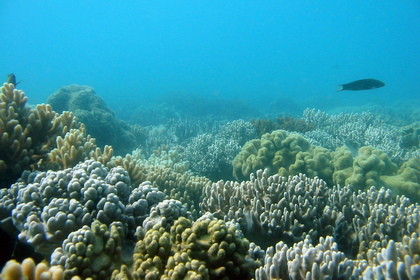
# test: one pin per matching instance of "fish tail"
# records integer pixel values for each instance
(340, 88)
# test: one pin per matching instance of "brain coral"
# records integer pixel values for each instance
(285, 154)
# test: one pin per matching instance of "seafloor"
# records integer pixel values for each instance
(206, 189)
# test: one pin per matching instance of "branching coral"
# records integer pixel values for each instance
(39, 138)
(211, 155)
(355, 131)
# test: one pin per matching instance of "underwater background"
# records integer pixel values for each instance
(131, 52)
(208, 140)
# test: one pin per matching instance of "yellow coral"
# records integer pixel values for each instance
(283, 154)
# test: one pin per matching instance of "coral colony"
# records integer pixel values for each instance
(292, 199)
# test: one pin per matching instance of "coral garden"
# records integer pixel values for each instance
(321, 197)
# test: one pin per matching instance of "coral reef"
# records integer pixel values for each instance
(47, 206)
(305, 261)
(147, 216)
(211, 154)
(397, 261)
(205, 249)
(354, 131)
(39, 138)
(411, 136)
(29, 270)
(372, 167)
(269, 209)
(290, 154)
(91, 251)
(263, 126)
(274, 208)
(99, 119)
(285, 154)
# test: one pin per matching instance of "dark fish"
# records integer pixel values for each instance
(361, 85)
(11, 79)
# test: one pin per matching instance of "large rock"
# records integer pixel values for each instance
(99, 119)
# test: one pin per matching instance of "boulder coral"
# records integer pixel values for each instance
(99, 119)
(284, 154)
(373, 167)
(290, 154)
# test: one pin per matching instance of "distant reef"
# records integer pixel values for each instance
(99, 119)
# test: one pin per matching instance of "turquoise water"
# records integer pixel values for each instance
(182, 74)
(134, 51)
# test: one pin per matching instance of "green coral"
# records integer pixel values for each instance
(205, 249)
(285, 154)
(373, 167)
(407, 179)
(364, 170)
(290, 154)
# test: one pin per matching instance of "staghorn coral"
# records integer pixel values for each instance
(371, 219)
(354, 131)
(285, 154)
(210, 155)
(274, 208)
(397, 261)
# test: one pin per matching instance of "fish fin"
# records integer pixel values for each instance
(18, 82)
(340, 88)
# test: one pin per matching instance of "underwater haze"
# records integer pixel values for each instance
(131, 52)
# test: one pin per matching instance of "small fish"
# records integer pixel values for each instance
(361, 85)
(11, 79)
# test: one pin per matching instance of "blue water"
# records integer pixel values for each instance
(134, 51)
